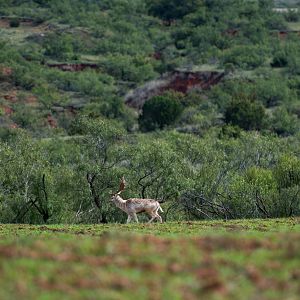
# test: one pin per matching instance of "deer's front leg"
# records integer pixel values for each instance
(135, 217)
(128, 219)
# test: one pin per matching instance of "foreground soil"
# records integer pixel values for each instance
(258, 259)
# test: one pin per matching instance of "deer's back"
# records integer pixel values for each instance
(141, 205)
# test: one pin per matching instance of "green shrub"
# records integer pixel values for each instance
(15, 22)
(246, 113)
(287, 171)
(246, 57)
(230, 131)
(284, 123)
(292, 15)
(273, 91)
(160, 111)
(173, 9)
(294, 65)
(129, 68)
(58, 46)
(287, 55)
(279, 60)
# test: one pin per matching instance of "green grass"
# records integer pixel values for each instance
(17, 35)
(245, 259)
(203, 68)
(294, 26)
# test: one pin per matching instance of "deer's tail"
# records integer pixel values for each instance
(159, 207)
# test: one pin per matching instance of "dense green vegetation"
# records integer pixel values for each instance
(230, 151)
(160, 111)
(182, 260)
(211, 131)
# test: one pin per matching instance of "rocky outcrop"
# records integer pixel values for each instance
(180, 81)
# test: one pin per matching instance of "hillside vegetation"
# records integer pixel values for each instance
(217, 137)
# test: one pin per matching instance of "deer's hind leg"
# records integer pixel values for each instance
(159, 217)
(153, 216)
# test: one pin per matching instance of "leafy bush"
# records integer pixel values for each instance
(292, 15)
(294, 65)
(287, 171)
(128, 68)
(32, 53)
(245, 113)
(14, 22)
(160, 111)
(284, 123)
(287, 55)
(279, 60)
(88, 82)
(272, 91)
(229, 131)
(22, 172)
(58, 46)
(173, 9)
(246, 57)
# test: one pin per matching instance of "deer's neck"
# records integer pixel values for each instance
(120, 202)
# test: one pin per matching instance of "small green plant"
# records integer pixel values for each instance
(15, 22)
(58, 46)
(279, 60)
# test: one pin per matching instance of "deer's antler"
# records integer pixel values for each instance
(122, 185)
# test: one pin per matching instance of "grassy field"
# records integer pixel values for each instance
(257, 259)
(294, 25)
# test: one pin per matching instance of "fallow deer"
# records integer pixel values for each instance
(133, 206)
